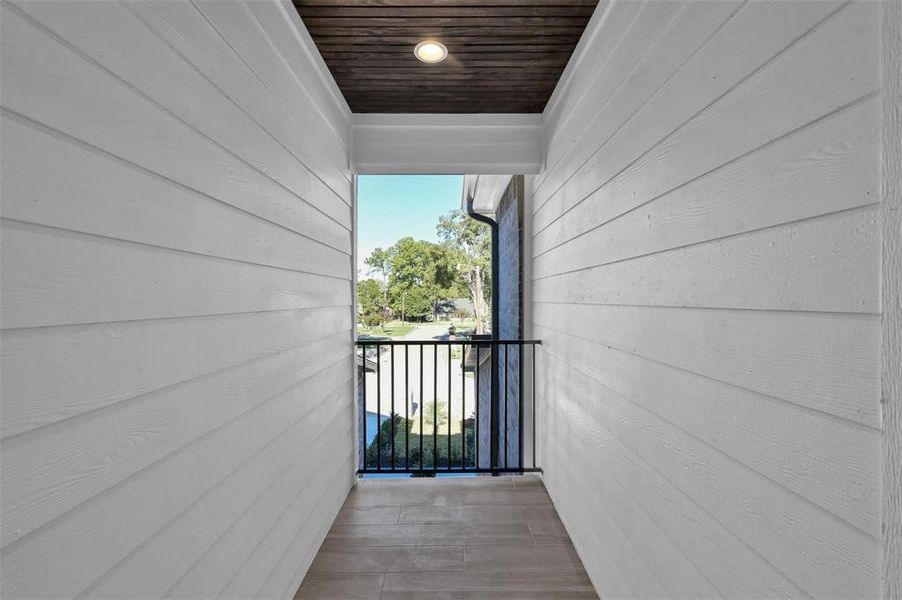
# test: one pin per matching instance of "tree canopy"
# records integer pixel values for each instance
(469, 244)
(417, 277)
(371, 302)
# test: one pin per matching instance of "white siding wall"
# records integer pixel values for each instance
(176, 238)
(706, 246)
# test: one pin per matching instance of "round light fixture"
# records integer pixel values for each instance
(431, 51)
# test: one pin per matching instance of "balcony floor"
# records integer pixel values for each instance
(462, 538)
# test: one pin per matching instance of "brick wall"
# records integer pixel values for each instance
(509, 218)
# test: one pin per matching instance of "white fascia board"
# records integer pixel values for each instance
(447, 143)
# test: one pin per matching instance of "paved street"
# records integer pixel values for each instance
(427, 331)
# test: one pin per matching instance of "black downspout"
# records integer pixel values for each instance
(495, 291)
(495, 427)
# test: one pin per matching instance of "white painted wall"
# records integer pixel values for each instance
(891, 296)
(706, 242)
(176, 238)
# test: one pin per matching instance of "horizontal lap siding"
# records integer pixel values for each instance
(705, 242)
(176, 240)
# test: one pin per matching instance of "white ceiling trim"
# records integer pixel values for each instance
(447, 143)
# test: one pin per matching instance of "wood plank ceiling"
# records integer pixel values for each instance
(504, 56)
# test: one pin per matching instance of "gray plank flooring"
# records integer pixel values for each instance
(488, 538)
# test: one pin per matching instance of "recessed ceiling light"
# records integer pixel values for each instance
(430, 51)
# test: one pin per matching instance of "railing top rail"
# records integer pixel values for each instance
(446, 342)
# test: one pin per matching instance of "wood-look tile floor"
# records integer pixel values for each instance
(489, 538)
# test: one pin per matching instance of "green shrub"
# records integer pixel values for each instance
(434, 446)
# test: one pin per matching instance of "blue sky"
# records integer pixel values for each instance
(390, 207)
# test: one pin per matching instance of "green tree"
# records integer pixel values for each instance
(379, 261)
(419, 275)
(371, 302)
(469, 246)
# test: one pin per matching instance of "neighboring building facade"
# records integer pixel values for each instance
(507, 203)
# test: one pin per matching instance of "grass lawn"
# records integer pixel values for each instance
(392, 329)
(398, 329)
(435, 448)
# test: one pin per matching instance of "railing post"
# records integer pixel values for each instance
(391, 413)
(449, 406)
(422, 409)
(378, 407)
(435, 409)
(363, 441)
(406, 408)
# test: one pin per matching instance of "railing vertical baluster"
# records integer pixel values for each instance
(420, 407)
(391, 414)
(463, 407)
(406, 408)
(378, 407)
(520, 406)
(507, 350)
(449, 406)
(499, 408)
(363, 441)
(494, 407)
(435, 408)
(533, 406)
(478, 397)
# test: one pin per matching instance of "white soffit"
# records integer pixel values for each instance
(486, 191)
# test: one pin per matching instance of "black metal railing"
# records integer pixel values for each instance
(456, 406)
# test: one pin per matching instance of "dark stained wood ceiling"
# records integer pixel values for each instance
(504, 56)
